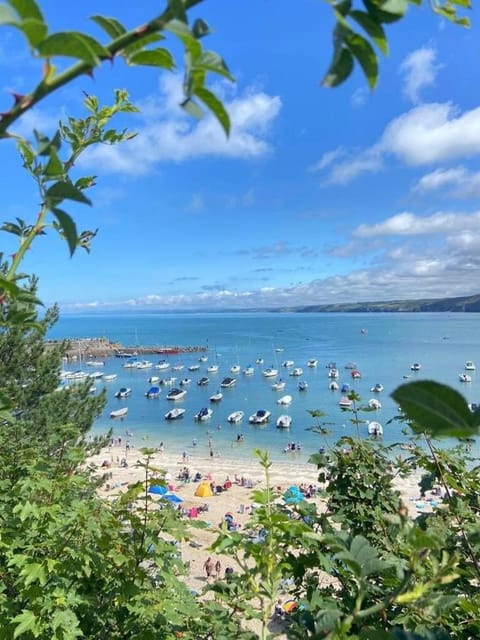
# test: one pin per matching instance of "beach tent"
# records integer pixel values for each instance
(158, 489)
(204, 490)
(172, 497)
(293, 495)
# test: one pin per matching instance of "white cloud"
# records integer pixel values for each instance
(328, 158)
(419, 70)
(462, 182)
(409, 224)
(426, 134)
(170, 135)
(359, 97)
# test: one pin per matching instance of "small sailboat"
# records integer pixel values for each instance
(216, 397)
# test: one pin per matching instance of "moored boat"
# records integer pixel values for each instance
(235, 368)
(374, 403)
(194, 367)
(278, 385)
(345, 402)
(333, 372)
(248, 371)
(175, 414)
(154, 379)
(269, 372)
(416, 366)
(185, 382)
(119, 413)
(236, 416)
(162, 365)
(375, 429)
(296, 372)
(260, 417)
(377, 388)
(333, 385)
(284, 422)
(285, 400)
(302, 385)
(216, 397)
(153, 392)
(176, 394)
(109, 377)
(228, 383)
(464, 377)
(203, 381)
(312, 363)
(355, 373)
(123, 392)
(470, 365)
(288, 363)
(212, 368)
(205, 413)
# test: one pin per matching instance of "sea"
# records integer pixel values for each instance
(382, 347)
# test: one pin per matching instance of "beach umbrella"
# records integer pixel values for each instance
(172, 497)
(293, 495)
(158, 489)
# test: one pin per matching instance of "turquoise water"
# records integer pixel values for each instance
(384, 346)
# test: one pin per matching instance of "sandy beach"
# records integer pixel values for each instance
(120, 463)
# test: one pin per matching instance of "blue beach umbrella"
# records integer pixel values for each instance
(158, 489)
(293, 495)
(172, 497)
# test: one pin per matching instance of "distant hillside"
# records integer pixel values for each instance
(462, 304)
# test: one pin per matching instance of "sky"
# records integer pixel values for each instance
(318, 196)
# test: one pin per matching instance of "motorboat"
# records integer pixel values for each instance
(296, 372)
(216, 397)
(464, 377)
(279, 349)
(288, 363)
(95, 363)
(248, 371)
(312, 363)
(119, 413)
(109, 377)
(235, 368)
(374, 403)
(333, 372)
(377, 388)
(333, 385)
(375, 429)
(259, 361)
(168, 381)
(153, 392)
(123, 392)
(176, 394)
(228, 383)
(284, 421)
(203, 358)
(278, 385)
(260, 417)
(331, 365)
(345, 388)
(203, 381)
(177, 367)
(269, 372)
(351, 365)
(345, 402)
(154, 379)
(416, 366)
(95, 375)
(285, 400)
(185, 382)
(175, 414)
(76, 375)
(131, 364)
(236, 416)
(144, 364)
(355, 373)
(470, 365)
(194, 367)
(162, 365)
(302, 385)
(205, 413)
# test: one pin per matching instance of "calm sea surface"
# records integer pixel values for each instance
(384, 346)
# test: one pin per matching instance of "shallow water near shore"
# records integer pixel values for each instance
(383, 347)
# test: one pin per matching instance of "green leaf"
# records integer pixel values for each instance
(63, 190)
(153, 58)
(182, 31)
(192, 108)
(215, 106)
(110, 25)
(178, 9)
(200, 28)
(340, 69)
(211, 61)
(397, 7)
(374, 29)
(73, 44)
(436, 408)
(7, 16)
(27, 9)
(364, 53)
(34, 30)
(54, 166)
(68, 228)
(26, 622)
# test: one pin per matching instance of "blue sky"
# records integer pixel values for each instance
(318, 196)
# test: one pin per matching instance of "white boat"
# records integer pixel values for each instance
(464, 377)
(194, 367)
(332, 372)
(162, 365)
(132, 364)
(96, 375)
(288, 363)
(416, 366)
(259, 361)
(95, 363)
(154, 379)
(269, 372)
(302, 385)
(76, 375)
(235, 368)
(284, 422)
(123, 392)
(153, 392)
(167, 382)
(175, 414)
(333, 385)
(205, 413)
(177, 367)
(236, 416)
(212, 368)
(216, 397)
(356, 374)
(312, 363)
(377, 388)
(345, 402)
(119, 413)
(279, 349)
(296, 372)
(228, 383)
(176, 394)
(285, 400)
(375, 429)
(203, 358)
(144, 364)
(260, 417)
(279, 385)
(203, 381)
(248, 371)
(185, 382)
(374, 403)
(470, 365)
(109, 377)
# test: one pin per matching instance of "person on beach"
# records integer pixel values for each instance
(209, 567)
(218, 568)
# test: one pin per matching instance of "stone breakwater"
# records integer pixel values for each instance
(79, 348)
